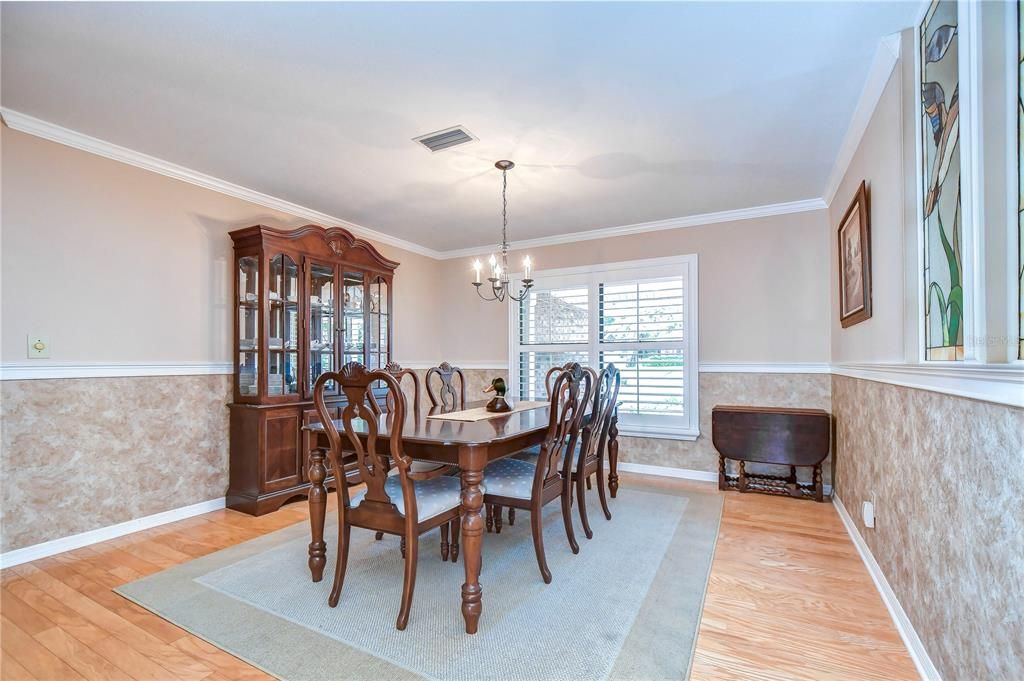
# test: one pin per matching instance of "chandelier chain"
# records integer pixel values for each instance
(504, 211)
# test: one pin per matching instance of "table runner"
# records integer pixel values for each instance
(480, 413)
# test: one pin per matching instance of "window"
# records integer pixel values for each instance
(945, 286)
(640, 316)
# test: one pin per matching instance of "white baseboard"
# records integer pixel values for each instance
(915, 647)
(77, 541)
(668, 472)
(683, 473)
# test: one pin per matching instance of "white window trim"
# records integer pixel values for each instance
(669, 266)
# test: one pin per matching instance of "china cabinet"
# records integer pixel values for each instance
(306, 301)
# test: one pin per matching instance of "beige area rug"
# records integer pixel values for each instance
(627, 606)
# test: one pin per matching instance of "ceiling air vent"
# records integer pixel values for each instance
(445, 139)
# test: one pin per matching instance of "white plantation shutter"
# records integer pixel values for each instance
(639, 316)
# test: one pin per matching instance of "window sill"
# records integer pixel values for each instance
(626, 430)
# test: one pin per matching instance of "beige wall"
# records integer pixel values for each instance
(117, 264)
(756, 302)
(879, 162)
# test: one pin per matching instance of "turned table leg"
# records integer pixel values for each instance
(472, 461)
(317, 513)
(613, 455)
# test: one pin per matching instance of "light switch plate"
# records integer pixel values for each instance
(38, 346)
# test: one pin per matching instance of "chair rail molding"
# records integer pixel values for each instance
(763, 368)
(999, 383)
(28, 371)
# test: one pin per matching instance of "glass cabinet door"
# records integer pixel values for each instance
(283, 327)
(354, 324)
(248, 325)
(323, 328)
(379, 317)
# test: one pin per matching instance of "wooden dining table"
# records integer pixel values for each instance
(470, 445)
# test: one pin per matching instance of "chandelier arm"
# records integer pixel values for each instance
(491, 299)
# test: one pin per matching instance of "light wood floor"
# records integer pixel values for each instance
(788, 599)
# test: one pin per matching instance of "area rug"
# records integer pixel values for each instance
(626, 607)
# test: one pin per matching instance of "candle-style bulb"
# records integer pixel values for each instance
(527, 265)
(476, 269)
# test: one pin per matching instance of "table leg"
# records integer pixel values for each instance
(613, 455)
(317, 513)
(472, 461)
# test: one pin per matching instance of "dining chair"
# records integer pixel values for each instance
(405, 503)
(493, 513)
(530, 486)
(400, 374)
(590, 459)
(446, 397)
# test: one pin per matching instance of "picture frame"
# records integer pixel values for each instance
(853, 243)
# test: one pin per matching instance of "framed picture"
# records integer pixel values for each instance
(854, 243)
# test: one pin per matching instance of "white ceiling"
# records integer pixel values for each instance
(614, 113)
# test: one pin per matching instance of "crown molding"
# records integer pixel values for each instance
(655, 226)
(55, 133)
(886, 57)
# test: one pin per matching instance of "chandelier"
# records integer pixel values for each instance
(499, 279)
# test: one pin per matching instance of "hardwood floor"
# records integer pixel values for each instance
(788, 599)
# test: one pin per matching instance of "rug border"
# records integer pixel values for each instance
(700, 496)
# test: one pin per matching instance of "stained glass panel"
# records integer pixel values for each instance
(940, 142)
(1020, 177)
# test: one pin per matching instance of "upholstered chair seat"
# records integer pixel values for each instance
(510, 478)
(433, 497)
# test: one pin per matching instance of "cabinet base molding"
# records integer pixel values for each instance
(264, 503)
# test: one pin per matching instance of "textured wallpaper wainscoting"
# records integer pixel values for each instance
(85, 453)
(811, 391)
(82, 454)
(946, 476)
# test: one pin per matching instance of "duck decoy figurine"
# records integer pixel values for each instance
(498, 404)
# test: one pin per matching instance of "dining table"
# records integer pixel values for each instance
(470, 445)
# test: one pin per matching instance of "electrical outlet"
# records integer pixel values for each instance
(38, 346)
(869, 514)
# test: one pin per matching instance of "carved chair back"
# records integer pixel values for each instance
(570, 395)
(606, 396)
(356, 383)
(446, 396)
(400, 374)
(552, 374)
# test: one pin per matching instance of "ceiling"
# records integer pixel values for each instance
(615, 114)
